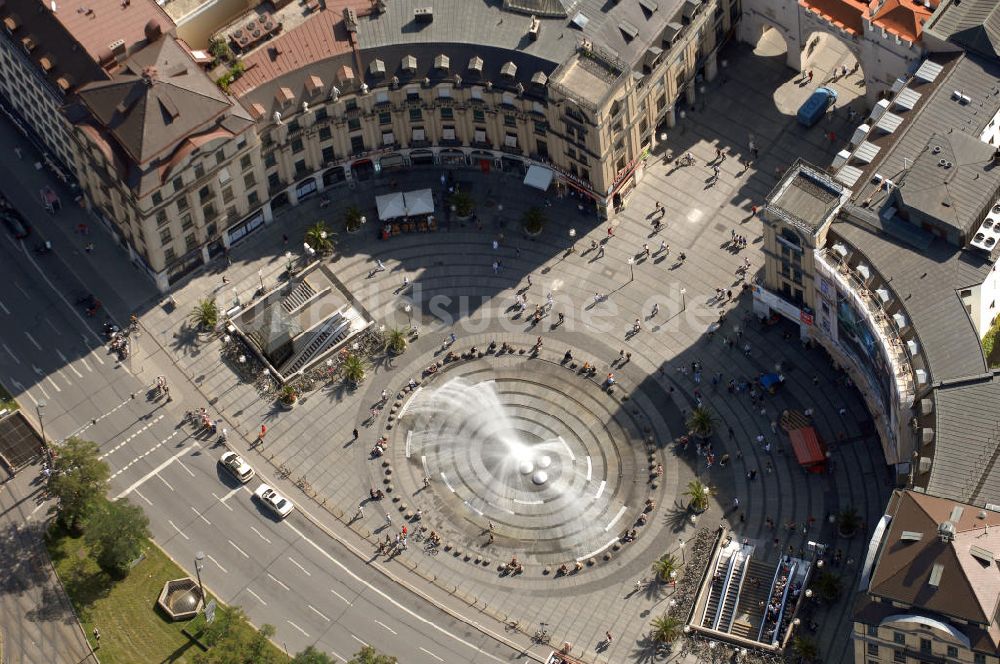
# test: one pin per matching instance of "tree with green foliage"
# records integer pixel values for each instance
(78, 479)
(699, 493)
(320, 237)
(369, 655)
(804, 649)
(534, 220)
(664, 566)
(352, 218)
(312, 656)
(395, 340)
(463, 203)
(116, 532)
(354, 369)
(828, 586)
(701, 422)
(205, 314)
(666, 629)
(231, 639)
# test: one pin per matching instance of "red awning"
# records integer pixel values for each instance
(809, 449)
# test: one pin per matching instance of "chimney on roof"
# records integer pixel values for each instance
(946, 532)
(153, 30)
(149, 75)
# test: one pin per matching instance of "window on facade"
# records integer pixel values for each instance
(416, 115)
(872, 630)
(328, 154)
(476, 92)
(541, 127)
(620, 145)
(925, 645)
(232, 214)
(322, 114)
(478, 115)
(297, 146)
(211, 231)
(873, 649)
(300, 167)
(178, 183)
(444, 91)
(253, 199)
(388, 138)
(447, 113)
(357, 144)
(353, 124)
(351, 104)
(952, 651)
(270, 161)
(293, 126)
(273, 182)
(543, 149)
(385, 118)
(220, 157)
(899, 656)
(448, 132)
(204, 193)
(382, 97)
(325, 133)
(507, 99)
(199, 171)
(161, 218)
(643, 126)
(157, 198)
(510, 120)
(413, 94)
(245, 162)
(165, 236)
(224, 175)
(897, 637)
(186, 222)
(249, 181)
(169, 254)
(190, 241)
(978, 658)
(419, 135)
(227, 194)
(209, 212)
(479, 135)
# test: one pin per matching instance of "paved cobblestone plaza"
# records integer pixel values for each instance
(602, 448)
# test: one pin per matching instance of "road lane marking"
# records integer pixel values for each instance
(359, 641)
(11, 353)
(346, 601)
(257, 596)
(21, 388)
(221, 501)
(159, 477)
(86, 364)
(217, 563)
(590, 469)
(388, 598)
(181, 464)
(600, 489)
(304, 632)
(63, 376)
(230, 494)
(432, 654)
(44, 393)
(386, 626)
(317, 612)
(5, 309)
(53, 383)
(621, 511)
(200, 515)
(148, 501)
(66, 362)
(138, 483)
(260, 535)
(307, 572)
(134, 433)
(179, 531)
(96, 355)
(32, 340)
(52, 325)
(273, 578)
(233, 544)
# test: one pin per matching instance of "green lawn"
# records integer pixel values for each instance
(6, 400)
(133, 629)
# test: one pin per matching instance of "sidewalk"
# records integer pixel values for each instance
(38, 623)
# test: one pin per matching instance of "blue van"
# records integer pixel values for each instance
(814, 108)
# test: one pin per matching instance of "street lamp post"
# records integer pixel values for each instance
(41, 425)
(199, 562)
(409, 314)
(260, 275)
(631, 269)
(680, 545)
(683, 300)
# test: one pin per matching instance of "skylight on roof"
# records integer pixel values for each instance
(580, 20)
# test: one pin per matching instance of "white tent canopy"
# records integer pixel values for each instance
(538, 177)
(405, 204)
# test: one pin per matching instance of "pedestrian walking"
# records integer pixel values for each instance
(656, 309)
(810, 75)
(608, 636)
(360, 514)
(611, 232)
(263, 432)
(496, 245)
(355, 432)
(388, 520)
(645, 249)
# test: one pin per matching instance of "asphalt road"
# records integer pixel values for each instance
(289, 573)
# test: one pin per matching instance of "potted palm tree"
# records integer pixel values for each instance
(205, 314)
(666, 629)
(288, 397)
(828, 586)
(665, 566)
(353, 369)
(463, 204)
(534, 220)
(319, 237)
(701, 422)
(395, 340)
(699, 493)
(848, 522)
(353, 219)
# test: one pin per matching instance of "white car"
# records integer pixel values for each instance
(274, 501)
(237, 467)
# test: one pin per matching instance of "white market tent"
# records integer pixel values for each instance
(538, 177)
(405, 204)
